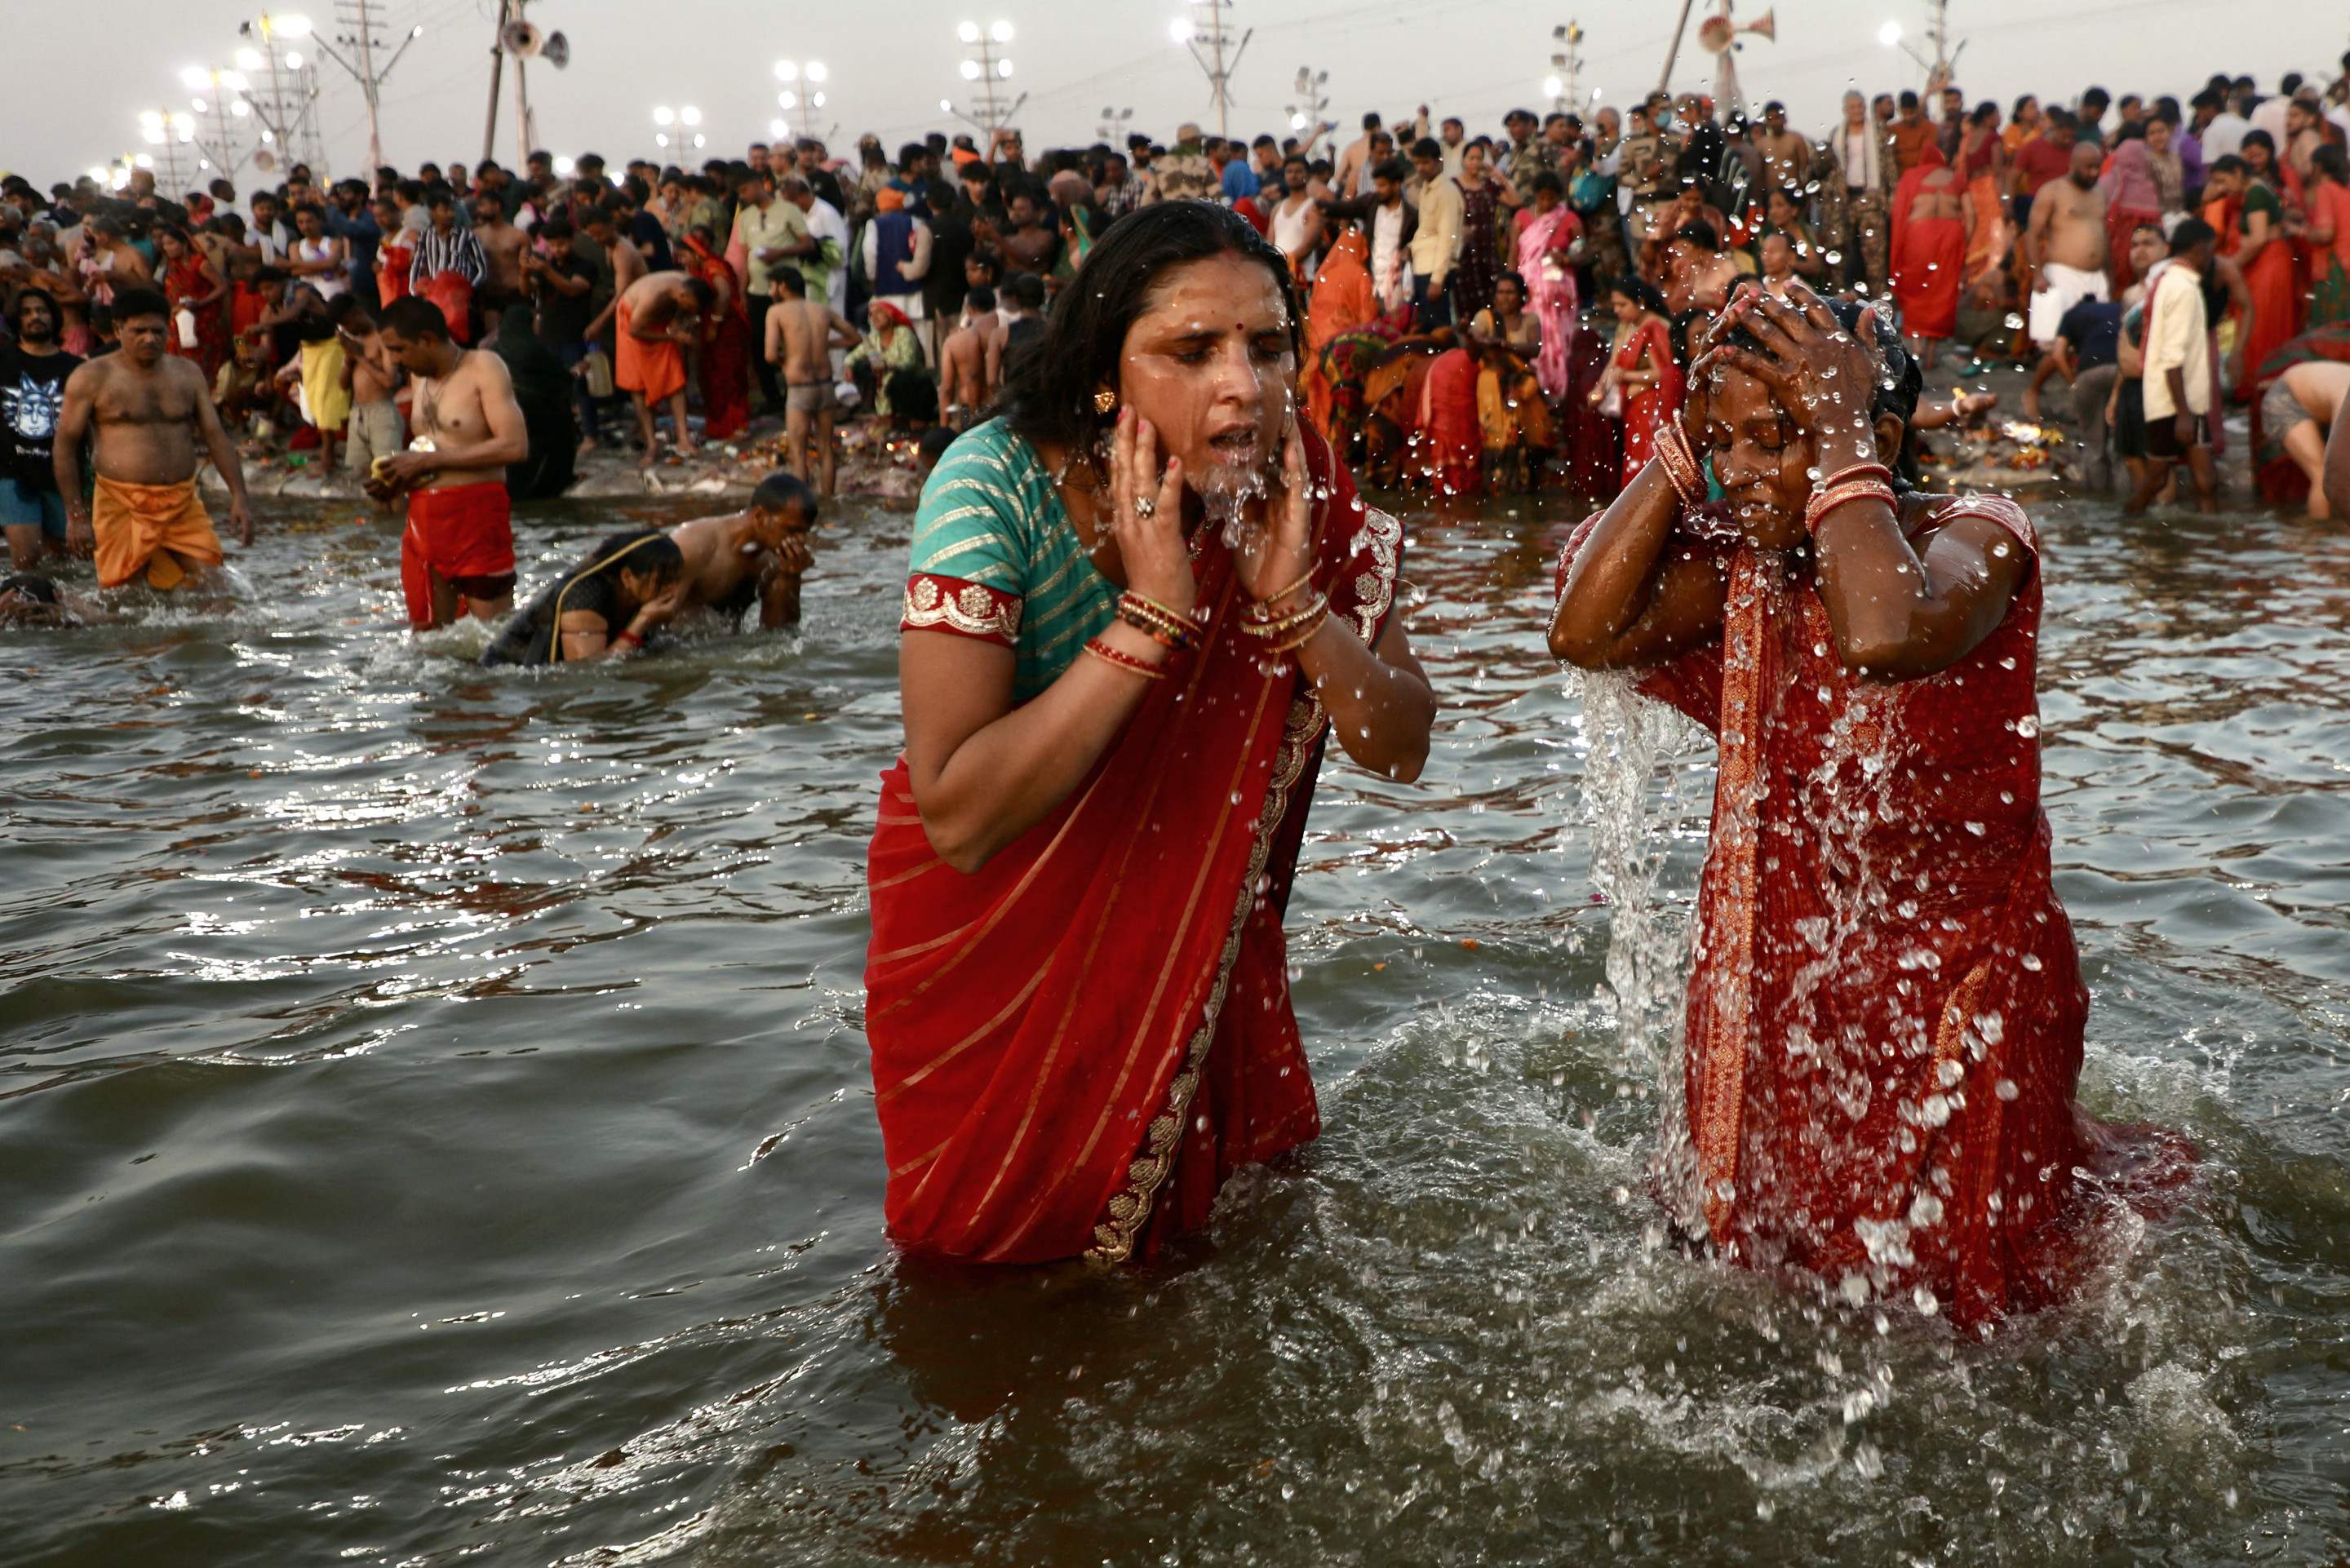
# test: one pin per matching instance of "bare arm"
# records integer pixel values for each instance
(1628, 603)
(842, 334)
(779, 584)
(224, 456)
(2035, 241)
(73, 429)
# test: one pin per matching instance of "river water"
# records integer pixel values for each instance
(435, 1126)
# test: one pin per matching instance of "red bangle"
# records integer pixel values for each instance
(631, 638)
(1872, 469)
(1824, 502)
(1108, 655)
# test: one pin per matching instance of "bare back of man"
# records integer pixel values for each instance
(963, 375)
(753, 556)
(2318, 391)
(502, 247)
(801, 335)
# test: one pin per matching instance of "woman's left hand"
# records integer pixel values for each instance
(1279, 553)
(1824, 377)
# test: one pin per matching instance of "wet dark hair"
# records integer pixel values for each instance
(980, 297)
(2190, 232)
(17, 305)
(641, 549)
(32, 584)
(935, 442)
(703, 294)
(132, 302)
(1050, 397)
(1700, 234)
(780, 490)
(413, 316)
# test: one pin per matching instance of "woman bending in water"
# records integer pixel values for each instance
(605, 608)
(1884, 1006)
(1139, 602)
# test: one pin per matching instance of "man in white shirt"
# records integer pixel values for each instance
(1436, 248)
(2268, 113)
(2177, 377)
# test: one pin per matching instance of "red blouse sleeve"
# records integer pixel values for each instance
(964, 608)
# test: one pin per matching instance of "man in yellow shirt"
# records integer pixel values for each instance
(1436, 246)
(2177, 377)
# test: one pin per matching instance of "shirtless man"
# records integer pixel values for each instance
(801, 335)
(2064, 257)
(502, 249)
(148, 409)
(628, 263)
(658, 315)
(2300, 407)
(758, 553)
(1032, 245)
(965, 385)
(1786, 157)
(456, 554)
(375, 430)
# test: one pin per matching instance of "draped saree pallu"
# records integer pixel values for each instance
(1884, 1009)
(1076, 1045)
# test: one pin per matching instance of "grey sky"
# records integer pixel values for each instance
(1470, 57)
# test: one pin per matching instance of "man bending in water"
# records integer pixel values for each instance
(758, 553)
(456, 554)
(148, 407)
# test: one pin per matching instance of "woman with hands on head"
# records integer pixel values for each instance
(1885, 1005)
(1139, 602)
(632, 585)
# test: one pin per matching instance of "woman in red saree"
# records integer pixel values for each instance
(1642, 381)
(1884, 1006)
(1076, 996)
(1448, 442)
(1982, 167)
(2327, 199)
(725, 339)
(193, 284)
(1932, 227)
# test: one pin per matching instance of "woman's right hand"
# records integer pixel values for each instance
(660, 609)
(1158, 561)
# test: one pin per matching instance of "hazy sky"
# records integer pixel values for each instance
(1470, 57)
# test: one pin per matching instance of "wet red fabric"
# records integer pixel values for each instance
(465, 531)
(1074, 1046)
(1450, 445)
(1884, 1008)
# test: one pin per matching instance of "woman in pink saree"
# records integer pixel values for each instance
(1547, 231)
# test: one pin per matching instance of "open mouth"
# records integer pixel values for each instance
(1236, 448)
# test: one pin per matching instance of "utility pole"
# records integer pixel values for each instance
(1564, 84)
(1665, 79)
(1207, 38)
(497, 77)
(359, 35)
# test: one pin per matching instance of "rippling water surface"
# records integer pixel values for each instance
(434, 1125)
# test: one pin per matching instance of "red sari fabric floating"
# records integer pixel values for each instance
(1074, 1046)
(1885, 1005)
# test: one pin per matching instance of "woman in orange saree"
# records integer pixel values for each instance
(1117, 682)
(725, 339)
(1343, 302)
(1982, 165)
(1885, 1010)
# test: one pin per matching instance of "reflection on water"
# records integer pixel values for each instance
(435, 1124)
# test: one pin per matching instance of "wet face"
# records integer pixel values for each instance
(1209, 363)
(141, 338)
(769, 525)
(1759, 458)
(638, 588)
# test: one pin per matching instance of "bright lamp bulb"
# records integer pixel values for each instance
(1004, 68)
(777, 131)
(195, 76)
(968, 32)
(660, 138)
(144, 162)
(689, 116)
(153, 135)
(1001, 32)
(664, 116)
(293, 60)
(294, 27)
(1179, 30)
(946, 106)
(788, 70)
(818, 100)
(816, 71)
(1553, 87)
(1296, 122)
(970, 70)
(198, 104)
(1889, 35)
(787, 100)
(240, 108)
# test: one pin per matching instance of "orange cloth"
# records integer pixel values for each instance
(657, 369)
(1344, 301)
(160, 530)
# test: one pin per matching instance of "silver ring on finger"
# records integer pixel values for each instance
(1145, 507)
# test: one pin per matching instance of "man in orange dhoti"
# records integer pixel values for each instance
(660, 313)
(145, 408)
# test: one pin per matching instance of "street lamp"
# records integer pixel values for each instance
(985, 64)
(806, 91)
(1565, 65)
(1204, 33)
(1312, 103)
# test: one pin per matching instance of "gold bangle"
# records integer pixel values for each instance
(1313, 628)
(1306, 581)
(1187, 623)
(1275, 627)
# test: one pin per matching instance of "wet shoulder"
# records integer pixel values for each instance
(1999, 511)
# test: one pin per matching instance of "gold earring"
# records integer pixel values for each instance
(1105, 400)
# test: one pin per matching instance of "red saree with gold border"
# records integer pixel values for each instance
(1074, 1046)
(1885, 1010)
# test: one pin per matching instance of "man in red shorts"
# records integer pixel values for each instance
(457, 553)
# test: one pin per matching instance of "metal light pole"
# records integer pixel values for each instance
(219, 97)
(803, 88)
(1564, 83)
(1204, 33)
(359, 35)
(1114, 121)
(678, 129)
(1310, 113)
(987, 69)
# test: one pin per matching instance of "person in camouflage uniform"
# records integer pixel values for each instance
(1184, 171)
(1855, 220)
(1531, 155)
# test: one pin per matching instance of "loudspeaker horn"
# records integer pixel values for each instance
(522, 39)
(557, 50)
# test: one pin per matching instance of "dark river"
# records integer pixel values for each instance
(435, 1126)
